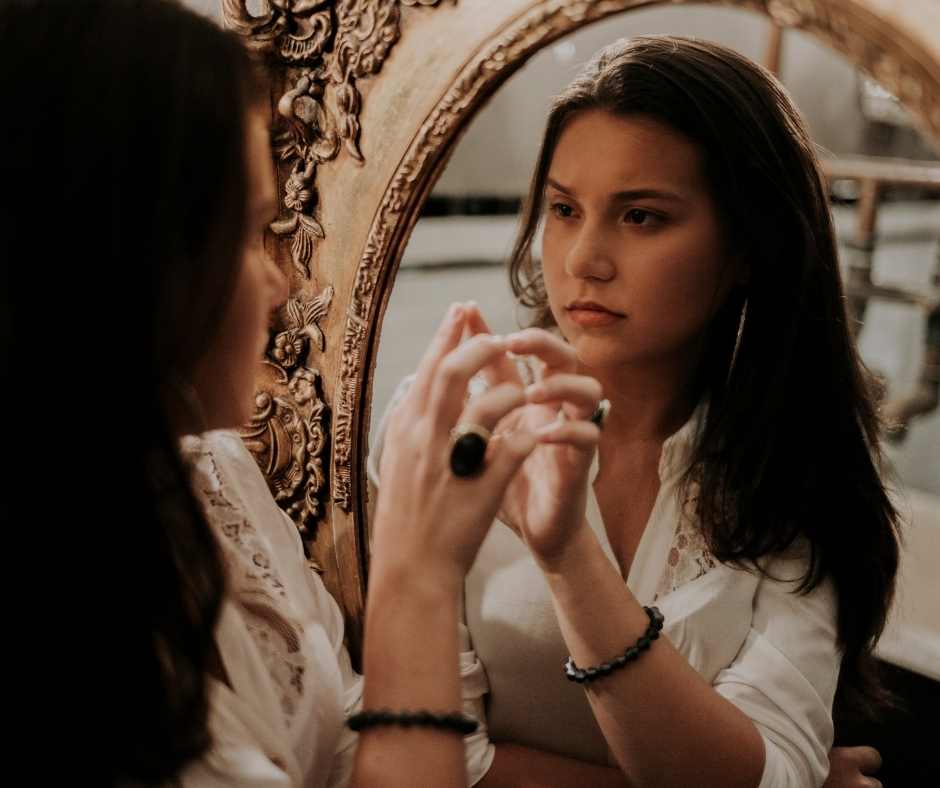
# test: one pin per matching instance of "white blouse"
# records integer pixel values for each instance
(280, 637)
(769, 651)
(281, 722)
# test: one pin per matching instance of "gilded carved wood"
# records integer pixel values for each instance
(288, 433)
(324, 48)
(368, 99)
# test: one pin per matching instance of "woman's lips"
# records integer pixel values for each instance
(591, 315)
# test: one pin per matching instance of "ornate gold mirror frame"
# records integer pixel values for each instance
(368, 99)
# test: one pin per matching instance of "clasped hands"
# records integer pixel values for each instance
(534, 474)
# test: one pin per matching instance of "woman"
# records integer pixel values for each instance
(689, 267)
(137, 151)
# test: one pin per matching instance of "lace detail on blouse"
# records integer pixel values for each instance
(255, 584)
(689, 557)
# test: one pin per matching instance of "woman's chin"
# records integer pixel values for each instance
(599, 354)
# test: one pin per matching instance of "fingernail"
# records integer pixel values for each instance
(455, 311)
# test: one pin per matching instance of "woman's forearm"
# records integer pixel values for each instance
(664, 723)
(410, 663)
(516, 766)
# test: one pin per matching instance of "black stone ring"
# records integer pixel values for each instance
(468, 448)
(599, 416)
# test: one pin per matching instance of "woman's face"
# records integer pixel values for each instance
(632, 253)
(224, 378)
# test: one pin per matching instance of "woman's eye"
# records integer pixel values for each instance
(638, 216)
(562, 210)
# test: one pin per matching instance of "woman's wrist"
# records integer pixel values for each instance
(415, 579)
(411, 638)
(570, 555)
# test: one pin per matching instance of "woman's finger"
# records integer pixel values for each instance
(557, 354)
(476, 323)
(580, 435)
(850, 766)
(503, 369)
(445, 339)
(453, 373)
(490, 407)
(581, 392)
(505, 456)
(868, 759)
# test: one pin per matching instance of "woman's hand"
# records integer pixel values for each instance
(427, 517)
(428, 526)
(545, 501)
(852, 767)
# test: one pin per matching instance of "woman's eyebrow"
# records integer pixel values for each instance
(557, 186)
(624, 196)
(647, 194)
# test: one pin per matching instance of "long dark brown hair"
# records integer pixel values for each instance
(123, 152)
(790, 444)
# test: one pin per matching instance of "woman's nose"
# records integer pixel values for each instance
(589, 256)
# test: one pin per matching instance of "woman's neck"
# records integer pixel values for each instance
(647, 404)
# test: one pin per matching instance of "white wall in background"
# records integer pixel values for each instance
(497, 153)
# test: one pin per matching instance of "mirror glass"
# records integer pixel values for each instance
(459, 246)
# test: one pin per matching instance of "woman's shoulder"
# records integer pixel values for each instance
(226, 478)
(224, 448)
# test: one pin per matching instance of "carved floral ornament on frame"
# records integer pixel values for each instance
(326, 47)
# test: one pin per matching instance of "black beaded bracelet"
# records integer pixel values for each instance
(585, 675)
(459, 723)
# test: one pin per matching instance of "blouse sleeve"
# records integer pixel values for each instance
(236, 768)
(235, 761)
(478, 749)
(784, 677)
(344, 753)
